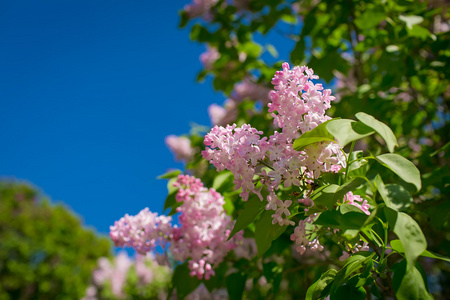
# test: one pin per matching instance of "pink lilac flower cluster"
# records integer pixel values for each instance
(248, 89)
(201, 238)
(303, 233)
(205, 227)
(303, 236)
(180, 146)
(199, 7)
(142, 232)
(223, 115)
(356, 248)
(115, 272)
(351, 199)
(209, 57)
(297, 105)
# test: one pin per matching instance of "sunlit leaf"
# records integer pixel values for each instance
(370, 18)
(411, 20)
(318, 134)
(398, 246)
(408, 282)
(405, 169)
(381, 128)
(346, 131)
(170, 174)
(319, 287)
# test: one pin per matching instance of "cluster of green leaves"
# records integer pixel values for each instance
(45, 252)
(364, 272)
(389, 58)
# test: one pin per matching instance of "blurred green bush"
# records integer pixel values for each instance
(45, 252)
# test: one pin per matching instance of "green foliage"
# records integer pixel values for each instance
(405, 169)
(182, 282)
(45, 252)
(387, 63)
(266, 232)
(252, 208)
(318, 134)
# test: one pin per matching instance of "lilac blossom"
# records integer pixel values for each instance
(222, 115)
(209, 57)
(201, 238)
(205, 227)
(199, 7)
(297, 106)
(180, 146)
(143, 232)
(302, 236)
(354, 200)
(353, 250)
(113, 274)
(251, 90)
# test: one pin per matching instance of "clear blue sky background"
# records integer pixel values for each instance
(88, 91)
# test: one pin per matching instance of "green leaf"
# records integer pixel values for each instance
(420, 32)
(397, 246)
(411, 20)
(408, 282)
(218, 280)
(184, 18)
(430, 254)
(347, 187)
(405, 169)
(170, 200)
(289, 19)
(298, 53)
(394, 195)
(442, 149)
(266, 232)
(345, 292)
(273, 273)
(370, 18)
(379, 184)
(381, 128)
(183, 282)
(398, 196)
(349, 219)
(352, 265)
(346, 131)
(235, 285)
(170, 174)
(409, 233)
(325, 196)
(392, 48)
(356, 162)
(272, 50)
(347, 208)
(318, 134)
(172, 192)
(328, 195)
(223, 180)
(318, 288)
(252, 208)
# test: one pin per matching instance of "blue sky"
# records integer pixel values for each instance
(88, 91)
